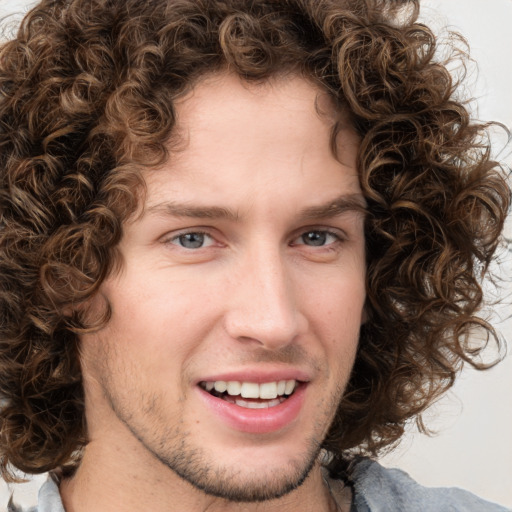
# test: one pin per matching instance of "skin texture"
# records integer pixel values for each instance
(255, 297)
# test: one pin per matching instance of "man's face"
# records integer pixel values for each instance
(246, 271)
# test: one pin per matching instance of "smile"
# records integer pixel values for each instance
(251, 395)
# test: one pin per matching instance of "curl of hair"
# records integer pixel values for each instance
(87, 95)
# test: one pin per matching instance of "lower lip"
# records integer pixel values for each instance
(256, 421)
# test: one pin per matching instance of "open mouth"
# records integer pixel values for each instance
(251, 395)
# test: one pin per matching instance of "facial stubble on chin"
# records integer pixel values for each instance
(193, 465)
(172, 446)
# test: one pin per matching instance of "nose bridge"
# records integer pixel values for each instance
(264, 306)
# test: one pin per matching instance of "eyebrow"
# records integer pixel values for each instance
(174, 209)
(338, 206)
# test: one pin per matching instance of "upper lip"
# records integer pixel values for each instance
(258, 375)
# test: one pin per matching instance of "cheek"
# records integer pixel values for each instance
(158, 326)
(338, 305)
(336, 316)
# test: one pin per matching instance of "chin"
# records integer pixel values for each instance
(238, 481)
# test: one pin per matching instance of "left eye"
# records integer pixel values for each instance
(316, 238)
(192, 240)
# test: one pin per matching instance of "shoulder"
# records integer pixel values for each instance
(379, 489)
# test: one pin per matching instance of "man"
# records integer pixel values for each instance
(242, 245)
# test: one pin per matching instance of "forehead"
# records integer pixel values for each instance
(234, 140)
(222, 109)
(226, 95)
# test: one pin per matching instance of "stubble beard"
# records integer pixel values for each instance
(174, 447)
(195, 465)
(196, 468)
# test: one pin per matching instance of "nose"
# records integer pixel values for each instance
(264, 302)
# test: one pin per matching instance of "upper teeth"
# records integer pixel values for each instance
(266, 390)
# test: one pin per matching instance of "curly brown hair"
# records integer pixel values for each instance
(87, 102)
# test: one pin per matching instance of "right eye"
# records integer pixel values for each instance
(192, 240)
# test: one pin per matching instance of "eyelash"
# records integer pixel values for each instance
(325, 232)
(175, 238)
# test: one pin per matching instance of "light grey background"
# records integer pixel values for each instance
(473, 449)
